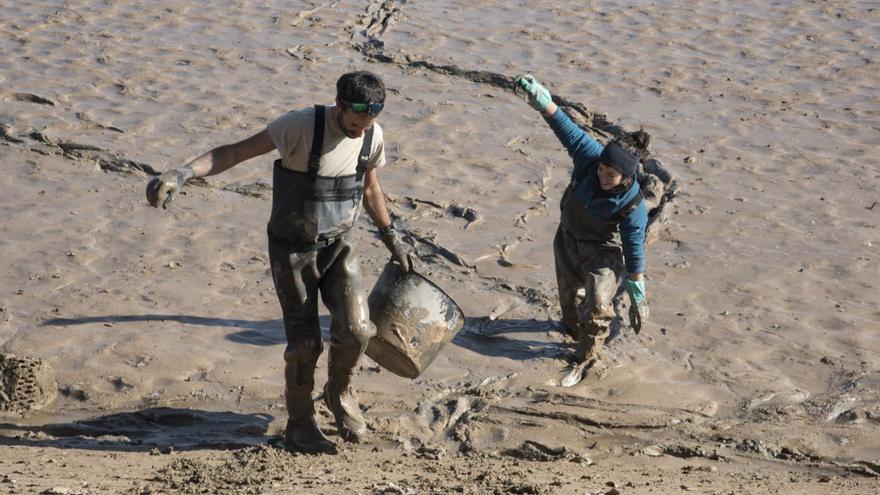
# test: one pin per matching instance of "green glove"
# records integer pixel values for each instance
(539, 97)
(638, 309)
(166, 186)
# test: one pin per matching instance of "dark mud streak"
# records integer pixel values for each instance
(595, 123)
(578, 419)
(32, 98)
(107, 160)
(111, 162)
(572, 400)
(5, 136)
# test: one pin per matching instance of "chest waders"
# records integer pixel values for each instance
(588, 256)
(310, 253)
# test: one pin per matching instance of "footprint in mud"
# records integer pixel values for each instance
(771, 404)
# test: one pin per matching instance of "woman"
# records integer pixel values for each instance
(601, 235)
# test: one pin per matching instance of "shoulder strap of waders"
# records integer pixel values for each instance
(317, 143)
(364, 155)
(582, 175)
(626, 210)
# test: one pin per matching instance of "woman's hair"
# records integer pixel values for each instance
(360, 87)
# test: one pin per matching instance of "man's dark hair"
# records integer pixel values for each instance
(360, 87)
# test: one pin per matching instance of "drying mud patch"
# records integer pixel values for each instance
(270, 470)
(26, 384)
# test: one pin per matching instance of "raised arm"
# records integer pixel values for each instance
(164, 188)
(582, 148)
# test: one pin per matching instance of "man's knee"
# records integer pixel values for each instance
(303, 350)
(357, 331)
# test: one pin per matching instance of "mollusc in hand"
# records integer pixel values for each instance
(539, 97)
(166, 186)
(638, 308)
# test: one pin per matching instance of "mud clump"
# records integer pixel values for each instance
(249, 471)
(26, 384)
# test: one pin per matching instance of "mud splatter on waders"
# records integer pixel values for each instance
(310, 250)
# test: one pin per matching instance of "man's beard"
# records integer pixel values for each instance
(344, 130)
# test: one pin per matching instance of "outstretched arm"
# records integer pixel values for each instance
(162, 189)
(227, 156)
(583, 149)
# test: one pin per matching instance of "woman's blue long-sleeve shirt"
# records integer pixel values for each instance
(585, 152)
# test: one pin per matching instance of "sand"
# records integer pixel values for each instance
(759, 371)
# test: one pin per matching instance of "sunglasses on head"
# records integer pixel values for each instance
(367, 108)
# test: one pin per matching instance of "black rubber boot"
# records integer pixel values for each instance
(339, 396)
(302, 433)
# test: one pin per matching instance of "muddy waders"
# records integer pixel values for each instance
(588, 256)
(310, 251)
(598, 270)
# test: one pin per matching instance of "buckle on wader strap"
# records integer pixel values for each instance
(364, 155)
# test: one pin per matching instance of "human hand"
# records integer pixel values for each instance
(539, 97)
(165, 187)
(638, 308)
(400, 251)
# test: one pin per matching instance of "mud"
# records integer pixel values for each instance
(26, 384)
(757, 374)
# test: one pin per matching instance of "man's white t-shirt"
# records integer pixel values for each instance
(293, 132)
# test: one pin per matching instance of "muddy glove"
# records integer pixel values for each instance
(166, 186)
(400, 251)
(539, 97)
(638, 308)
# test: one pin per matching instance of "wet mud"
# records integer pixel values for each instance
(724, 392)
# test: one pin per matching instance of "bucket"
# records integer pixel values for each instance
(414, 319)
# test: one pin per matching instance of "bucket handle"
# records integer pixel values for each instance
(409, 258)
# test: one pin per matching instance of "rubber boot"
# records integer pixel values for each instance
(339, 396)
(302, 433)
(589, 345)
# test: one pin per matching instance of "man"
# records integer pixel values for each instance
(601, 234)
(329, 166)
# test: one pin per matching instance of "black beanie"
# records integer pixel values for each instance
(615, 156)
